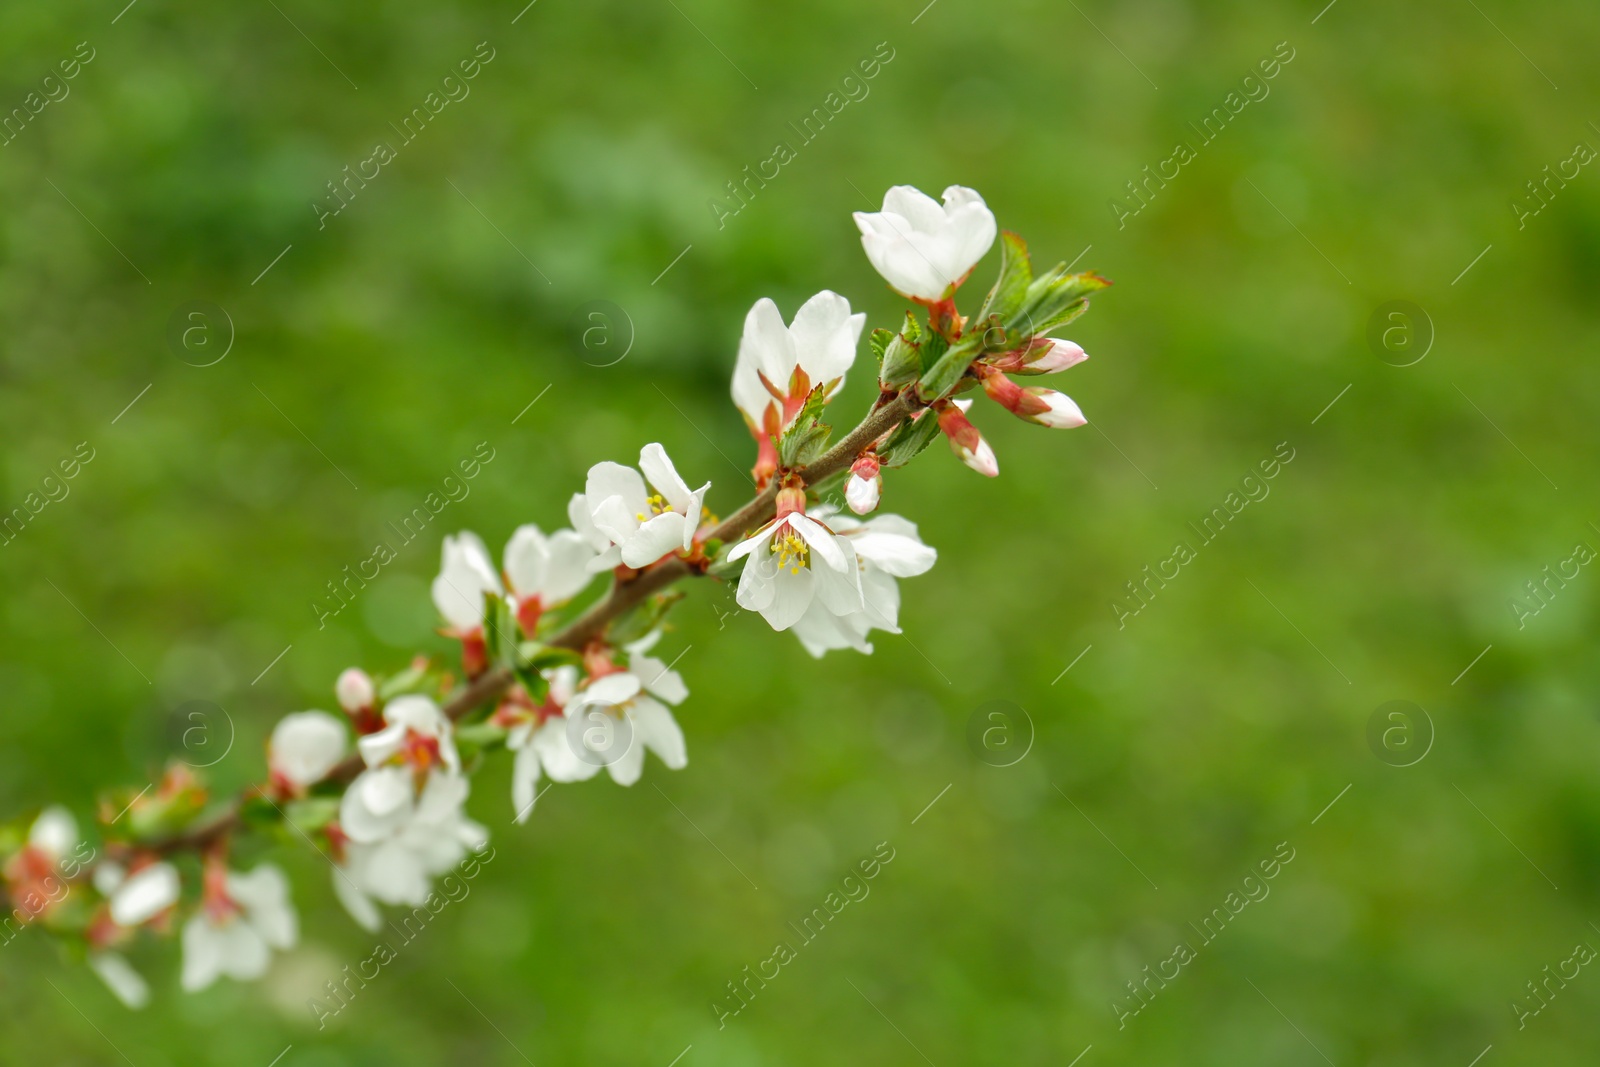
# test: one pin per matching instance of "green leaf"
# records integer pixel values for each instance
(1053, 299)
(946, 372)
(499, 631)
(1016, 273)
(537, 686)
(411, 680)
(312, 813)
(807, 437)
(878, 340)
(900, 363)
(547, 657)
(909, 439)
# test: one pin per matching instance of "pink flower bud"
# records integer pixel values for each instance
(1062, 412)
(1054, 355)
(355, 690)
(965, 440)
(1045, 407)
(865, 486)
(1042, 355)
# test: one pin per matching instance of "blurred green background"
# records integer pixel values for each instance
(1177, 753)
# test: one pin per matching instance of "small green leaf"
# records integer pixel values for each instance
(1054, 299)
(312, 813)
(1016, 273)
(411, 680)
(807, 437)
(534, 681)
(946, 372)
(909, 439)
(547, 657)
(901, 361)
(878, 340)
(499, 631)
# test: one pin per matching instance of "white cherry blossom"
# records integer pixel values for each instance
(416, 743)
(1045, 407)
(795, 561)
(922, 248)
(304, 747)
(466, 576)
(639, 528)
(138, 897)
(547, 570)
(887, 547)
(243, 917)
(537, 737)
(54, 833)
(399, 867)
(625, 707)
(779, 365)
(865, 486)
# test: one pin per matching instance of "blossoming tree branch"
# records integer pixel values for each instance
(566, 693)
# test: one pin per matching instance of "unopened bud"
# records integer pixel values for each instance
(1045, 407)
(1054, 355)
(355, 690)
(865, 486)
(965, 440)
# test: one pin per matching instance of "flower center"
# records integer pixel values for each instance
(421, 751)
(792, 551)
(657, 505)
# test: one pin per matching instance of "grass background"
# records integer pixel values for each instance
(1177, 753)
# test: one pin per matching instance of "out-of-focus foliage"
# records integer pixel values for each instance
(455, 288)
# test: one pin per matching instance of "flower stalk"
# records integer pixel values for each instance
(568, 699)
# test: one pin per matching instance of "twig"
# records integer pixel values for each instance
(622, 597)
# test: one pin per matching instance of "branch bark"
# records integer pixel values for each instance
(622, 596)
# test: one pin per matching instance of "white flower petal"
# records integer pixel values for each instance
(54, 832)
(862, 493)
(792, 591)
(145, 894)
(567, 569)
(357, 903)
(306, 745)
(524, 782)
(657, 467)
(615, 480)
(655, 728)
(264, 894)
(658, 536)
(202, 954)
(465, 576)
(825, 337)
(119, 976)
(560, 762)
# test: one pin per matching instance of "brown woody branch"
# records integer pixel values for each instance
(888, 413)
